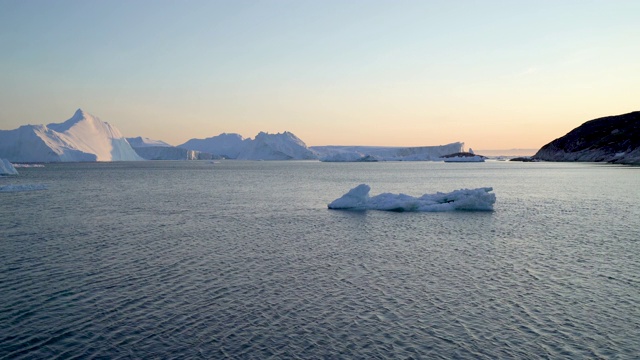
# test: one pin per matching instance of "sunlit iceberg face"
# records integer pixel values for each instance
(481, 199)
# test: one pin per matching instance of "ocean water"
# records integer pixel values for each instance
(242, 259)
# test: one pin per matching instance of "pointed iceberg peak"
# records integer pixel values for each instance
(81, 114)
(83, 137)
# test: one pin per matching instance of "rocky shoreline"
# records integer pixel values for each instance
(612, 139)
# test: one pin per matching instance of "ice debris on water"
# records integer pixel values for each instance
(480, 199)
(22, 187)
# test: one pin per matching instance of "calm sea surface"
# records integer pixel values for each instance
(244, 260)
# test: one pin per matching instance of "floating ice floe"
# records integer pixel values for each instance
(28, 165)
(22, 187)
(7, 168)
(481, 199)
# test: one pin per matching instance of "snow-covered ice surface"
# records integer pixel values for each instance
(21, 187)
(141, 141)
(171, 153)
(383, 153)
(349, 156)
(81, 138)
(280, 146)
(481, 199)
(7, 168)
(226, 145)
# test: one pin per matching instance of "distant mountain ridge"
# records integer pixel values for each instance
(614, 139)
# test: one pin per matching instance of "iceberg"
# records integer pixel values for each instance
(150, 149)
(83, 137)
(349, 156)
(383, 153)
(28, 165)
(7, 168)
(225, 145)
(140, 141)
(480, 199)
(280, 146)
(171, 153)
(22, 187)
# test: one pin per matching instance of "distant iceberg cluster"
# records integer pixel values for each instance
(481, 199)
(86, 138)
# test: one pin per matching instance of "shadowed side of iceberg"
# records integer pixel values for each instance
(7, 168)
(481, 199)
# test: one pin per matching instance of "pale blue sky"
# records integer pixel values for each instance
(494, 74)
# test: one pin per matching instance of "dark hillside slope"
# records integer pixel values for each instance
(613, 139)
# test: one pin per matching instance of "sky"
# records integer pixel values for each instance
(493, 74)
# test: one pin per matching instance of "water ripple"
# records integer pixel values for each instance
(100, 266)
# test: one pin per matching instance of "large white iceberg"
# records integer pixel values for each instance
(225, 145)
(7, 168)
(481, 199)
(280, 146)
(83, 137)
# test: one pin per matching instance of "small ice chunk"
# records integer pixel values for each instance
(7, 168)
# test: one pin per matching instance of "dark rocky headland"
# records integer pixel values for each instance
(613, 139)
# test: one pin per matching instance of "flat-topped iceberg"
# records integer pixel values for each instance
(384, 153)
(481, 199)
